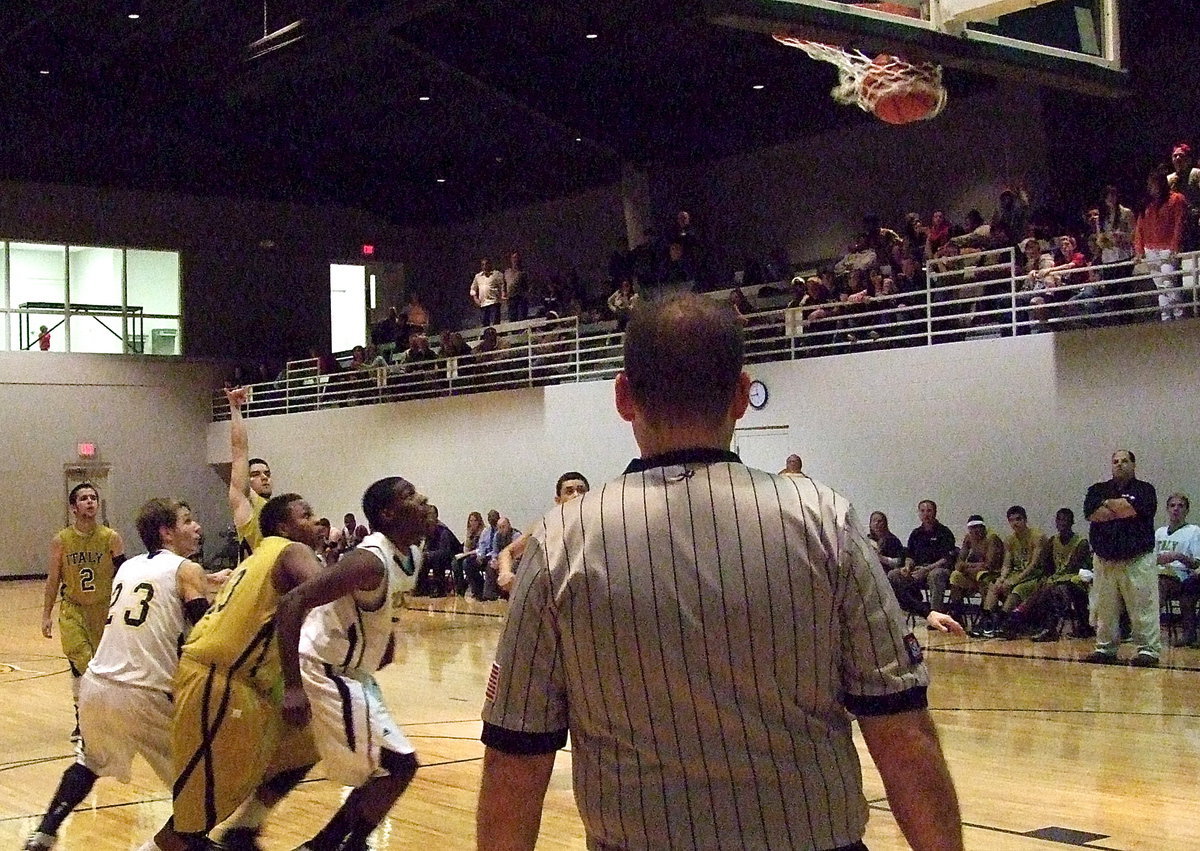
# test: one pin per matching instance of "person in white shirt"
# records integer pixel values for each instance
(487, 291)
(1178, 547)
(125, 695)
(335, 631)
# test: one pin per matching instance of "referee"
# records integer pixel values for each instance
(706, 632)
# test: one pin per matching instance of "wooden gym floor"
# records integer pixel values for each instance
(1047, 752)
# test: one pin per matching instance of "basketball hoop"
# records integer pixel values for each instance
(888, 87)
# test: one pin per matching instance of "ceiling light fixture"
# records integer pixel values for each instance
(592, 35)
(133, 16)
(424, 90)
(758, 87)
(441, 180)
(44, 73)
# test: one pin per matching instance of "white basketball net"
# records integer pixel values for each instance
(889, 75)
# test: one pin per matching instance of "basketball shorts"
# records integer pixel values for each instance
(223, 740)
(118, 720)
(350, 724)
(80, 628)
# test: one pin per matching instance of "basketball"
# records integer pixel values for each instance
(897, 99)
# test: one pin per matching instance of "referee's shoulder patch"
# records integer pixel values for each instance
(494, 681)
(911, 645)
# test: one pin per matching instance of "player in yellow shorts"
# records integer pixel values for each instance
(229, 736)
(83, 559)
(249, 478)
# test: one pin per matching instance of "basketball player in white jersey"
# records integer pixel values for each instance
(342, 622)
(125, 704)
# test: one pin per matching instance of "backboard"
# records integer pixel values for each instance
(1067, 44)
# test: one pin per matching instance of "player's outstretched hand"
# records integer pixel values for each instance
(295, 708)
(944, 623)
(236, 396)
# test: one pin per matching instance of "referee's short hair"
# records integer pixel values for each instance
(683, 358)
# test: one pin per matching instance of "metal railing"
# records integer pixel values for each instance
(971, 296)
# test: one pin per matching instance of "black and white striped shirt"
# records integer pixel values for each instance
(704, 631)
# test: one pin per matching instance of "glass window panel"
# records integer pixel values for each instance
(38, 273)
(92, 333)
(95, 277)
(153, 280)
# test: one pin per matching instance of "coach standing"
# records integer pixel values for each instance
(1121, 511)
(705, 631)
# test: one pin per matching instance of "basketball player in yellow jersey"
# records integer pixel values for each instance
(249, 478)
(83, 558)
(229, 737)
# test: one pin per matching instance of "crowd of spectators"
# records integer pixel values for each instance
(1028, 583)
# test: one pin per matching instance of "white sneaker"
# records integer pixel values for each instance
(39, 841)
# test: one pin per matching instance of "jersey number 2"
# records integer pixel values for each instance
(144, 590)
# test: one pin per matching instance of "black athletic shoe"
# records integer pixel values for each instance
(239, 839)
(1100, 658)
(1144, 660)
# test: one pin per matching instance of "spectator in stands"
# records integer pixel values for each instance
(980, 559)
(1036, 263)
(485, 555)
(453, 345)
(416, 316)
(358, 358)
(516, 288)
(686, 235)
(885, 242)
(1178, 547)
(506, 535)
(552, 297)
(1112, 230)
(488, 347)
(487, 288)
(678, 270)
(914, 236)
(1020, 574)
(793, 467)
(43, 340)
(349, 538)
(469, 549)
(929, 557)
(327, 549)
(938, 233)
(387, 333)
(886, 545)
(1185, 180)
(977, 236)
(1013, 215)
(622, 300)
(740, 304)
(418, 355)
(1065, 272)
(1064, 593)
(819, 304)
(1158, 238)
(326, 363)
(441, 546)
(372, 359)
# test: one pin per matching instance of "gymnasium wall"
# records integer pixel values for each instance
(147, 418)
(976, 426)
